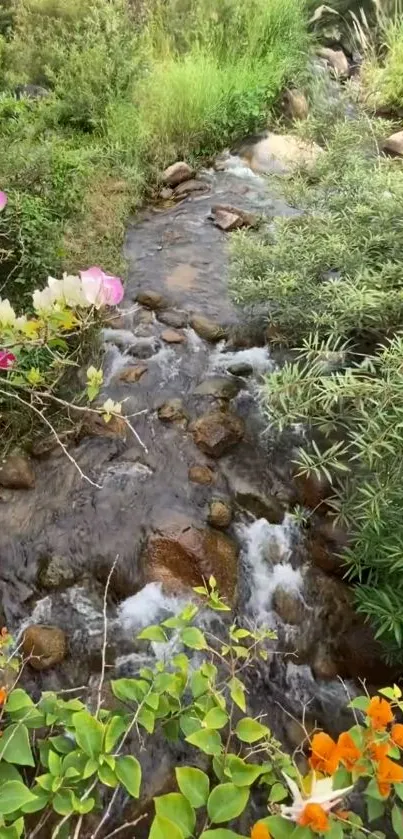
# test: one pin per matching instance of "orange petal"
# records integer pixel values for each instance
(397, 734)
(315, 817)
(349, 753)
(324, 753)
(380, 712)
(260, 831)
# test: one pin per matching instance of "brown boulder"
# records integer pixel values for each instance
(336, 59)
(175, 318)
(326, 543)
(288, 606)
(181, 551)
(172, 411)
(232, 218)
(177, 173)
(207, 329)
(296, 104)
(151, 299)
(133, 374)
(44, 646)
(201, 475)
(312, 491)
(220, 513)
(94, 425)
(166, 193)
(16, 472)
(188, 187)
(171, 336)
(394, 144)
(217, 432)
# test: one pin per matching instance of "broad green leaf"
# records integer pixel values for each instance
(13, 796)
(18, 699)
(89, 733)
(45, 781)
(242, 774)
(237, 693)
(336, 830)
(125, 689)
(397, 821)
(199, 684)
(227, 802)
(62, 744)
(176, 807)
(90, 768)
(278, 792)
(375, 808)
(114, 729)
(128, 770)
(193, 784)
(303, 833)
(216, 718)
(152, 700)
(107, 776)
(221, 833)
(8, 772)
(85, 806)
(189, 723)
(398, 788)
(171, 730)
(12, 831)
(15, 747)
(193, 638)
(279, 828)
(146, 718)
(163, 828)
(249, 730)
(360, 702)
(54, 762)
(206, 739)
(39, 801)
(153, 633)
(63, 802)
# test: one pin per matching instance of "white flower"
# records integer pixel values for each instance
(111, 407)
(21, 322)
(7, 313)
(322, 793)
(73, 291)
(43, 300)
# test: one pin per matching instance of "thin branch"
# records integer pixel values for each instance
(105, 637)
(78, 827)
(124, 826)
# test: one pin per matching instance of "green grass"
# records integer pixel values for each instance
(383, 75)
(131, 91)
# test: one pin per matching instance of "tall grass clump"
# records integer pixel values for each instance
(382, 74)
(332, 282)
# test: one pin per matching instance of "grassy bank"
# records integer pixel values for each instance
(131, 89)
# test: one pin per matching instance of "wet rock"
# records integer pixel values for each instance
(361, 656)
(177, 173)
(143, 348)
(219, 386)
(94, 425)
(133, 374)
(261, 505)
(220, 513)
(312, 491)
(190, 187)
(16, 472)
(337, 60)
(117, 322)
(394, 144)
(151, 299)
(43, 446)
(217, 432)
(181, 551)
(45, 646)
(208, 329)
(323, 666)
(296, 104)
(172, 411)
(55, 573)
(201, 475)
(174, 317)
(166, 193)
(288, 606)
(326, 543)
(240, 368)
(282, 153)
(144, 317)
(231, 218)
(171, 336)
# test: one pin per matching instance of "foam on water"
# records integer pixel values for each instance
(147, 606)
(114, 362)
(258, 357)
(120, 337)
(169, 363)
(240, 168)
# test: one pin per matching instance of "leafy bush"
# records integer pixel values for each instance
(60, 759)
(383, 75)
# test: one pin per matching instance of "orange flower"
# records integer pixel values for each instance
(380, 712)
(324, 754)
(349, 753)
(314, 816)
(343, 815)
(3, 696)
(260, 831)
(397, 734)
(378, 751)
(388, 773)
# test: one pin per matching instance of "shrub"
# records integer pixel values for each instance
(60, 757)
(383, 75)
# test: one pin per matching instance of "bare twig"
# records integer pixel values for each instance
(78, 827)
(126, 824)
(105, 638)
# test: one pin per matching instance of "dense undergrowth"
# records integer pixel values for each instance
(130, 88)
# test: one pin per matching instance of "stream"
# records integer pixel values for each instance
(202, 439)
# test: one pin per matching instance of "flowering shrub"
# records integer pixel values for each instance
(59, 757)
(35, 350)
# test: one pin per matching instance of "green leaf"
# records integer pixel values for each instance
(13, 796)
(375, 808)
(62, 744)
(12, 831)
(216, 718)
(193, 784)
(152, 700)
(89, 733)
(90, 768)
(15, 747)
(336, 830)
(278, 827)
(278, 793)
(18, 699)
(8, 772)
(220, 833)
(227, 802)
(146, 718)
(114, 729)
(398, 788)
(128, 770)
(303, 833)
(171, 730)
(193, 638)
(360, 702)
(153, 633)
(189, 723)
(199, 684)
(397, 821)
(39, 801)
(176, 807)
(107, 776)
(206, 739)
(218, 766)
(249, 730)
(237, 693)
(163, 828)
(242, 774)
(125, 689)
(63, 802)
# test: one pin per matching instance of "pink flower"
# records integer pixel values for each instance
(101, 289)
(7, 359)
(3, 200)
